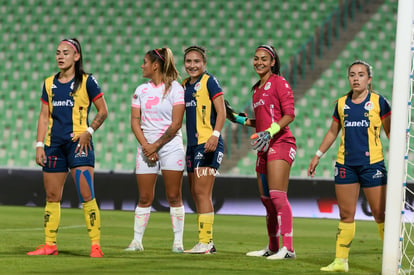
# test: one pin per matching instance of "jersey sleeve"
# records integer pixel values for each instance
(335, 115)
(136, 101)
(213, 87)
(285, 95)
(44, 98)
(177, 93)
(93, 88)
(385, 107)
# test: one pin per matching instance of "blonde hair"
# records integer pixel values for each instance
(165, 58)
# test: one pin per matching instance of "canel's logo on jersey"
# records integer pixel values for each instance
(258, 103)
(62, 103)
(362, 123)
(192, 103)
(152, 101)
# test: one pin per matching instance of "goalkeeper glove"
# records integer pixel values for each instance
(231, 115)
(260, 141)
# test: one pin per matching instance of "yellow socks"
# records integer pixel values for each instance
(205, 227)
(381, 230)
(51, 221)
(93, 220)
(344, 237)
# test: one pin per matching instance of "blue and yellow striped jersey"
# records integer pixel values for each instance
(361, 124)
(68, 111)
(199, 108)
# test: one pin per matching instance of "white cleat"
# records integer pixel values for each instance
(283, 254)
(266, 252)
(202, 248)
(178, 247)
(135, 246)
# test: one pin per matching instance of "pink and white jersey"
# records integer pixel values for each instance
(270, 103)
(156, 109)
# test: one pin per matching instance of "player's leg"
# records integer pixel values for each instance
(83, 176)
(373, 183)
(173, 184)
(54, 176)
(53, 184)
(146, 189)
(278, 171)
(271, 220)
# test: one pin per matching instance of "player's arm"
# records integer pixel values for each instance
(42, 125)
(84, 139)
(169, 134)
(136, 125)
(327, 142)
(220, 108)
(386, 124)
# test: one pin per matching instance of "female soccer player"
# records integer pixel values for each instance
(205, 117)
(67, 135)
(360, 161)
(274, 110)
(156, 117)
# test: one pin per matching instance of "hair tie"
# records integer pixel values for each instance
(267, 49)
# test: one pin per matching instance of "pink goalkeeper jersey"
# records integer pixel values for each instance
(156, 110)
(270, 103)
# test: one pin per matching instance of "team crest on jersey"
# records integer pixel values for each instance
(197, 86)
(369, 106)
(267, 86)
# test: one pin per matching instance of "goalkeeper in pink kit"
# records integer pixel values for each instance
(274, 110)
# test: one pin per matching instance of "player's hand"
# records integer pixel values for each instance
(40, 156)
(153, 157)
(211, 144)
(260, 141)
(312, 166)
(149, 149)
(84, 142)
(233, 116)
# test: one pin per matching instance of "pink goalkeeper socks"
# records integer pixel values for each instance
(284, 215)
(271, 222)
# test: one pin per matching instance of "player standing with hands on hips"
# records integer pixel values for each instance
(205, 117)
(67, 135)
(156, 117)
(360, 161)
(274, 110)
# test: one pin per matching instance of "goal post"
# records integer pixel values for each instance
(397, 167)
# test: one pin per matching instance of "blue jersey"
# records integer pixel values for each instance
(68, 111)
(361, 125)
(200, 112)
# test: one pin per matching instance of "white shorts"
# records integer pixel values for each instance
(170, 157)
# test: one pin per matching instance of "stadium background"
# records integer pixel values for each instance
(316, 41)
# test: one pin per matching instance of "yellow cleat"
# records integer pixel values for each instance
(338, 265)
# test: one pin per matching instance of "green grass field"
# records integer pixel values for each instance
(314, 241)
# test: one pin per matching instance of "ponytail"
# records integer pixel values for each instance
(165, 58)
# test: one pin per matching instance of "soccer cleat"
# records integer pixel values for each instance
(266, 252)
(96, 251)
(178, 247)
(338, 265)
(135, 246)
(44, 249)
(282, 254)
(202, 248)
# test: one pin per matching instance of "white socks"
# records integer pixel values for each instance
(142, 215)
(177, 219)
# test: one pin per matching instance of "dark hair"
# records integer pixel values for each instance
(273, 54)
(369, 71)
(165, 58)
(196, 48)
(79, 72)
